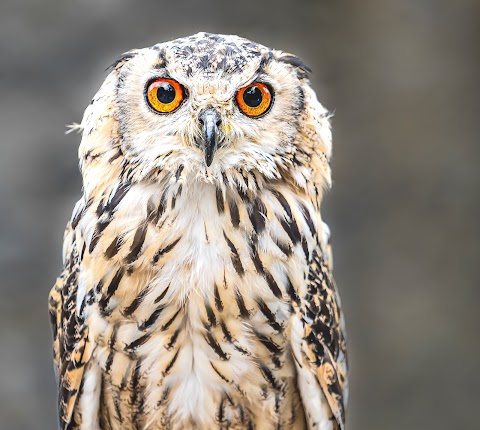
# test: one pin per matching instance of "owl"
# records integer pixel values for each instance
(197, 288)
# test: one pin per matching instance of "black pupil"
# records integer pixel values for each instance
(252, 97)
(166, 93)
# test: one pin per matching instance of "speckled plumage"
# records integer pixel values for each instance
(198, 297)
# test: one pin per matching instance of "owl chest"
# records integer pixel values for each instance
(203, 306)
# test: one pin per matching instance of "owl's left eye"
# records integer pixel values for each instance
(255, 99)
(164, 95)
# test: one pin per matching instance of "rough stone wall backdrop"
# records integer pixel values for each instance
(403, 80)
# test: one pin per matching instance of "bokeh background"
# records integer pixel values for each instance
(403, 80)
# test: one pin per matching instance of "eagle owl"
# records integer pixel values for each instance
(197, 290)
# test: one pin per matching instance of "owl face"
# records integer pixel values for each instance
(213, 106)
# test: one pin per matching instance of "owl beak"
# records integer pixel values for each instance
(209, 121)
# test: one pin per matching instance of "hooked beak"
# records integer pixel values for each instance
(209, 121)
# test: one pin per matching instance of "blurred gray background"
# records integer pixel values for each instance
(403, 80)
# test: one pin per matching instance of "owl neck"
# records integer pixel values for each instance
(240, 185)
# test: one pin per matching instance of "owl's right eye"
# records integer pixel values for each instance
(164, 95)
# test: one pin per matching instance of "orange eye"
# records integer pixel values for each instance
(164, 95)
(254, 99)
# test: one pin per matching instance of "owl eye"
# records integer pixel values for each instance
(164, 95)
(255, 99)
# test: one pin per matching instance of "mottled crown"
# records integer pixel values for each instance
(212, 54)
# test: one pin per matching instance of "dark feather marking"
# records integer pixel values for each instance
(53, 317)
(286, 249)
(116, 155)
(242, 193)
(308, 219)
(218, 300)
(291, 229)
(100, 206)
(221, 408)
(292, 293)
(219, 374)
(139, 410)
(129, 310)
(300, 105)
(127, 376)
(116, 404)
(78, 216)
(112, 287)
(151, 209)
(171, 320)
(111, 346)
(228, 336)
(237, 263)
(134, 383)
(295, 62)
(229, 398)
(256, 259)
(220, 201)
(179, 172)
(244, 313)
(152, 318)
(120, 61)
(164, 156)
(212, 342)
(245, 179)
(82, 253)
(305, 248)
(137, 342)
(234, 214)
(210, 315)
(241, 413)
(173, 339)
(272, 284)
(162, 295)
(254, 177)
(120, 193)
(224, 177)
(99, 287)
(161, 206)
(87, 300)
(101, 225)
(113, 248)
(257, 215)
(104, 418)
(206, 233)
(269, 315)
(172, 362)
(164, 251)
(283, 201)
(278, 424)
(165, 396)
(204, 62)
(138, 240)
(226, 332)
(162, 58)
(268, 343)
(269, 377)
(107, 212)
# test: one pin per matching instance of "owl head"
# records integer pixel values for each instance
(208, 107)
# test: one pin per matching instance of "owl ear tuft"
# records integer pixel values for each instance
(121, 60)
(303, 70)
